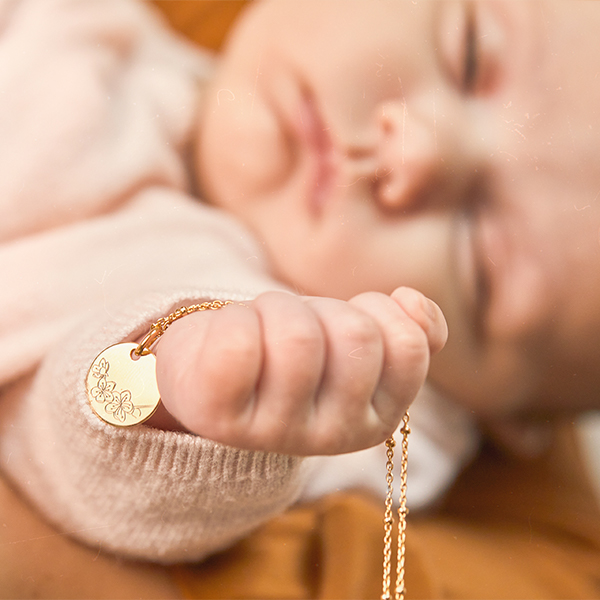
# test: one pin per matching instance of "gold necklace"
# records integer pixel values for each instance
(121, 383)
(388, 519)
(122, 390)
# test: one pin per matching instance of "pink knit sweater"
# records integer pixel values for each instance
(99, 237)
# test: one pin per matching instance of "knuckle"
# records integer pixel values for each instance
(236, 346)
(358, 328)
(242, 344)
(297, 337)
(407, 338)
(229, 364)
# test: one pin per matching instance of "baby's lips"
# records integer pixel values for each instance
(426, 313)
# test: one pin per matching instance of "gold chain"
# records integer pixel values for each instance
(163, 323)
(388, 520)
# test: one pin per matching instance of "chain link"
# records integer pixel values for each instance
(164, 322)
(388, 519)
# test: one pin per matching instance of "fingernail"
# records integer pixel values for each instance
(420, 301)
(430, 308)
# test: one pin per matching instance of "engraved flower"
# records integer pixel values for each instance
(103, 392)
(100, 369)
(121, 406)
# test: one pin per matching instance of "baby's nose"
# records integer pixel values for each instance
(408, 159)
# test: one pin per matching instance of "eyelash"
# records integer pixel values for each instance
(471, 58)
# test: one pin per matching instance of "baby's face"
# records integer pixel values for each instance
(453, 147)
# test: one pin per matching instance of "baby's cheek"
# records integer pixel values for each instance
(205, 166)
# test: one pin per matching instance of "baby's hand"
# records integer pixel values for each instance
(300, 375)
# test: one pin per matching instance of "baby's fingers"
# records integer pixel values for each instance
(208, 365)
(344, 419)
(299, 375)
(411, 330)
(426, 313)
(246, 376)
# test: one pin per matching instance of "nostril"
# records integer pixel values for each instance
(390, 189)
(380, 181)
(382, 173)
(387, 126)
(406, 188)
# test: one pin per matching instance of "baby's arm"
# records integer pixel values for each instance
(297, 375)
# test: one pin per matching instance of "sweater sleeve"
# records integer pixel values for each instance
(139, 492)
(98, 239)
(97, 99)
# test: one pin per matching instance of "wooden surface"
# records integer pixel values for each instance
(203, 21)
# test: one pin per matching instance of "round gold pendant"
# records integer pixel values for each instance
(122, 390)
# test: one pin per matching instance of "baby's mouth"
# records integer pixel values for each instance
(315, 135)
(308, 138)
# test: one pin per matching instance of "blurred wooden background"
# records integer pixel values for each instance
(204, 21)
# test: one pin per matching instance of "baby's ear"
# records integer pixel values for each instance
(525, 440)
